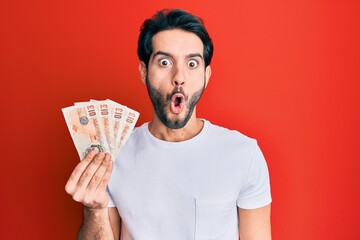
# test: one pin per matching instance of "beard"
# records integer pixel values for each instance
(161, 102)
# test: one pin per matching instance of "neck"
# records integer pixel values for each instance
(191, 129)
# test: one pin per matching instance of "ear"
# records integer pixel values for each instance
(207, 75)
(143, 71)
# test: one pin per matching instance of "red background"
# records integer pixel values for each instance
(284, 72)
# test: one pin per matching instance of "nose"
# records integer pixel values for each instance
(179, 76)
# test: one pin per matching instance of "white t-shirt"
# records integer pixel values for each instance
(190, 189)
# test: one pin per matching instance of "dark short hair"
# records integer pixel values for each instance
(172, 19)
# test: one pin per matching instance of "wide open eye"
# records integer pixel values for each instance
(164, 62)
(193, 64)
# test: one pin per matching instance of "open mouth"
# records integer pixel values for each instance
(177, 103)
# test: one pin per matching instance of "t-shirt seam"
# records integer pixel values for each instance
(250, 165)
(252, 159)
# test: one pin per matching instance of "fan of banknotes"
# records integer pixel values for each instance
(103, 126)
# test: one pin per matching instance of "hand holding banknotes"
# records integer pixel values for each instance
(99, 130)
(87, 183)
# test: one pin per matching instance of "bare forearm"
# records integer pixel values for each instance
(87, 185)
(255, 224)
(96, 225)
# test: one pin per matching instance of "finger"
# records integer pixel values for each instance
(99, 174)
(90, 171)
(105, 180)
(78, 171)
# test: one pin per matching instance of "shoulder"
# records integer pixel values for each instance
(138, 132)
(140, 129)
(231, 143)
(223, 134)
(136, 139)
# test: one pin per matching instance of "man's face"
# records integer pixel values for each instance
(176, 76)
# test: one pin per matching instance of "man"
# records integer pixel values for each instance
(178, 176)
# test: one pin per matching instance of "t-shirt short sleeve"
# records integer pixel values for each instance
(255, 191)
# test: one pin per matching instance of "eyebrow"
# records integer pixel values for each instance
(191, 55)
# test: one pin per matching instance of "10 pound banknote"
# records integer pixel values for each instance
(103, 126)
